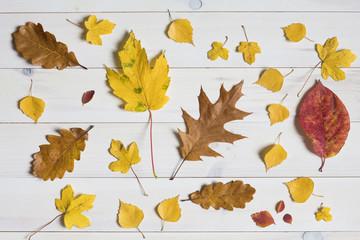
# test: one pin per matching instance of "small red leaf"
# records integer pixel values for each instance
(280, 206)
(87, 96)
(325, 121)
(263, 219)
(287, 218)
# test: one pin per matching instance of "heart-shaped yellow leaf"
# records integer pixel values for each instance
(300, 189)
(275, 156)
(32, 107)
(295, 32)
(130, 216)
(277, 113)
(169, 210)
(181, 31)
(271, 79)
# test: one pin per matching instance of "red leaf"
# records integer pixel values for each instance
(87, 96)
(287, 218)
(325, 120)
(280, 206)
(263, 219)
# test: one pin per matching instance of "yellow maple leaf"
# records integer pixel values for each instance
(32, 107)
(249, 49)
(218, 51)
(295, 32)
(331, 60)
(126, 158)
(275, 156)
(97, 29)
(300, 189)
(169, 210)
(130, 216)
(181, 31)
(323, 214)
(277, 113)
(73, 207)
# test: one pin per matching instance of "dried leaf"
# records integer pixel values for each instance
(32, 107)
(169, 210)
(300, 189)
(181, 31)
(331, 60)
(228, 196)
(280, 206)
(73, 207)
(275, 156)
(323, 214)
(263, 219)
(288, 218)
(42, 48)
(271, 79)
(130, 216)
(277, 113)
(295, 32)
(97, 29)
(218, 51)
(325, 121)
(249, 49)
(57, 157)
(87, 96)
(126, 158)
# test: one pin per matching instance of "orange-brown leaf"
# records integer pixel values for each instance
(57, 157)
(209, 127)
(42, 48)
(280, 206)
(228, 196)
(263, 219)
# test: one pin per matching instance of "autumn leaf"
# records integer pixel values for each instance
(218, 51)
(288, 218)
(126, 158)
(300, 189)
(57, 157)
(272, 79)
(73, 207)
(277, 113)
(295, 32)
(87, 96)
(169, 210)
(325, 121)
(228, 196)
(32, 107)
(142, 88)
(249, 49)
(263, 219)
(130, 216)
(331, 60)
(323, 214)
(280, 206)
(180, 30)
(42, 48)
(209, 127)
(96, 29)
(275, 156)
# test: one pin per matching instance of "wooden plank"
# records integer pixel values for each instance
(38, 205)
(264, 28)
(240, 159)
(62, 92)
(178, 5)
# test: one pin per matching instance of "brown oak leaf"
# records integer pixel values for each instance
(228, 196)
(42, 48)
(57, 157)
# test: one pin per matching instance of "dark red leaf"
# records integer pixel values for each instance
(87, 96)
(287, 218)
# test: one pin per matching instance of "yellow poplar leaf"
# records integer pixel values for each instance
(130, 216)
(169, 210)
(295, 32)
(97, 29)
(331, 60)
(300, 189)
(277, 113)
(275, 156)
(32, 107)
(181, 31)
(139, 86)
(271, 79)
(218, 51)
(249, 49)
(126, 158)
(73, 207)
(323, 214)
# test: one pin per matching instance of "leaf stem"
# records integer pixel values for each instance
(184, 200)
(278, 138)
(141, 186)
(283, 99)
(322, 164)
(308, 78)
(226, 39)
(245, 33)
(151, 145)
(74, 23)
(317, 195)
(289, 73)
(31, 86)
(162, 224)
(42, 227)
(173, 176)
(309, 39)
(140, 232)
(171, 19)
(83, 66)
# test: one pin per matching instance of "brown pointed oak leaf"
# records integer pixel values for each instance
(228, 196)
(42, 48)
(57, 157)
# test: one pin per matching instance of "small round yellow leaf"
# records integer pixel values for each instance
(275, 156)
(277, 113)
(300, 189)
(271, 79)
(130, 216)
(295, 32)
(181, 31)
(169, 209)
(32, 107)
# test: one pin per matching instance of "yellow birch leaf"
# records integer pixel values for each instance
(73, 207)
(331, 60)
(249, 49)
(169, 210)
(277, 113)
(271, 79)
(32, 107)
(295, 32)
(97, 29)
(275, 156)
(126, 158)
(181, 31)
(323, 214)
(300, 189)
(130, 216)
(218, 51)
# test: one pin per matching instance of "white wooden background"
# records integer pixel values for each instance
(27, 202)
